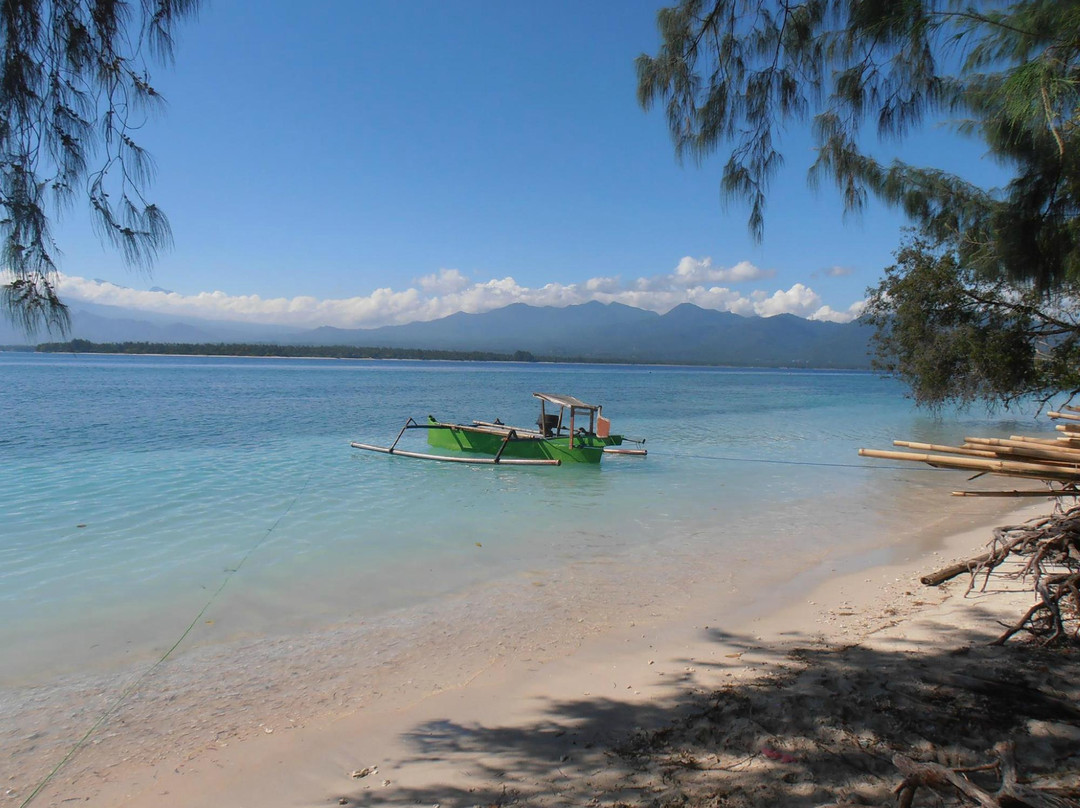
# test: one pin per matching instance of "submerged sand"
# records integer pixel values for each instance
(595, 683)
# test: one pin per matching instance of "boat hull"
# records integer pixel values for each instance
(586, 448)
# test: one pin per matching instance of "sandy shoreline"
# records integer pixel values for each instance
(495, 727)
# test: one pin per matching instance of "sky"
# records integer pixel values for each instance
(360, 164)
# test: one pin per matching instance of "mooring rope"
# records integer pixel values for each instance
(127, 691)
(732, 459)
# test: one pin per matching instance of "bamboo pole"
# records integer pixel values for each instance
(1060, 453)
(1064, 458)
(937, 447)
(1069, 428)
(616, 451)
(1022, 442)
(1063, 415)
(488, 461)
(1011, 467)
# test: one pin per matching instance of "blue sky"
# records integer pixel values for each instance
(364, 163)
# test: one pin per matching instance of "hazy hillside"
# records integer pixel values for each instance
(597, 331)
(687, 333)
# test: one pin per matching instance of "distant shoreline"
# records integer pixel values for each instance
(268, 351)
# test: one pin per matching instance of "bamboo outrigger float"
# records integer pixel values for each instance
(568, 430)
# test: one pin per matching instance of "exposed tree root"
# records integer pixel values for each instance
(1047, 553)
(1010, 794)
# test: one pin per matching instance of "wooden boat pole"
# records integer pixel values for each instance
(488, 461)
(511, 435)
(399, 434)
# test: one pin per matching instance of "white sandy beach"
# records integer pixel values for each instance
(526, 707)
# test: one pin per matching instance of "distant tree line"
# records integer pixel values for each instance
(77, 346)
(291, 351)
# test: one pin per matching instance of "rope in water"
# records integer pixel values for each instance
(730, 459)
(127, 691)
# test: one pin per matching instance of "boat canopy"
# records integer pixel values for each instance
(566, 401)
(569, 406)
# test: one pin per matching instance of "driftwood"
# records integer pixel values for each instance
(1047, 553)
(942, 779)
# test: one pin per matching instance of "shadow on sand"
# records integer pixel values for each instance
(797, 725)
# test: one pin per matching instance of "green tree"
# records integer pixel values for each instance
(74, 87)
(958, 336)
(1005, 262)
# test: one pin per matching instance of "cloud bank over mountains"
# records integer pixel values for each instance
(448, 291)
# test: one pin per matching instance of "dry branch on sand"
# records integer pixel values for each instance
(1044, 551)
(1010, 794)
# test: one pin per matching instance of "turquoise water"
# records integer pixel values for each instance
(135, 487)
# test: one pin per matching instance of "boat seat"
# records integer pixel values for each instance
(548, 424)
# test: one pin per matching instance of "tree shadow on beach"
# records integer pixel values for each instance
(796, 724)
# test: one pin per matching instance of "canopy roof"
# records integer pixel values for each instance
(566, 401)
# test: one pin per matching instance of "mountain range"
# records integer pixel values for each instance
(594, 331)
(597, 331)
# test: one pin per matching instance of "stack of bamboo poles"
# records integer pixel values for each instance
(1055, 461)
(1047, 550)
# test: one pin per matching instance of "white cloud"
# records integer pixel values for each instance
(443, 282)
(608, 285)
(829, 314)
(697, 271)
(448, 291)
(799, 299)
(839, 272)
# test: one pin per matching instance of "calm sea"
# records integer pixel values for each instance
(138, 490)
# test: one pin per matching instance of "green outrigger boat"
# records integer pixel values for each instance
(568, 430)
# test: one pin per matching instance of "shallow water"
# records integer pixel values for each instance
(140, 490)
